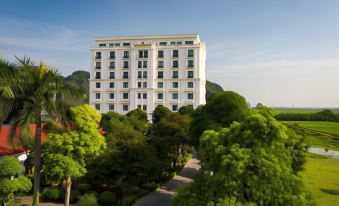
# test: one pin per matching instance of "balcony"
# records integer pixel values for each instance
(97, 57)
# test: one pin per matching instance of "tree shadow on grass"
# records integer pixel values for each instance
(330, 191)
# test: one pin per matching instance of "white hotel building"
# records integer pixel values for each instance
(129, 72)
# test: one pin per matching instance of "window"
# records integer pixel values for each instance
(190, 74)
(125, 85)
(111, 45)
(190, 63)
(97, 75)
(139, 64)
(125, 64)
(163, 43)
(111, 107)
(145, 54)
(112, 54)
(144, 74)
(175, 74)
(160, 74)
(126, 54)
(111, 95)
(175, 64)
(190, 53)
(145, 64)
(139, 74)
(179, 42)
(189, 42)
(139, 84)
(175, 53)
(125, 107)
(160, 53)
(102, 45)
(172, 42)
(125, 75)
(175, 85)
(174, 108)
(160, 85)
(112, 65)
(144, 84)
(139, 106)
(160, 64)
(174, 95)
(126, 44)
(189, 84)
(144, 107)
(144, 95)
(97, 106)
(97, 95)
(97, 65)
(97, 85)
(111, 85)
(117, 44)
(98, 55)
(125, 95)
(190, 96)
(160, 96)
(112, 75)
(139, 95)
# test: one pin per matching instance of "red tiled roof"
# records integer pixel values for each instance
(5, 146)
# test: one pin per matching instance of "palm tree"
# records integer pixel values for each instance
(27, 92)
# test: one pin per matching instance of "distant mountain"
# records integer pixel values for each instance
(80, 78)
(212, 88)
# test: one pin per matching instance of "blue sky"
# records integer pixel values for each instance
(280, 53)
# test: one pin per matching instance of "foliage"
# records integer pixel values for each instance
(88, 200)
(159, 113)
(106, 198)
(212, 88)
(79, 79)
(54, 194)
(186, 110)
(138, 119)
(324, 115)
(253, 161)
(75, 194)
(11, 167)
(220, 111)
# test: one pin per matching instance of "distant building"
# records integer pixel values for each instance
(130, 72)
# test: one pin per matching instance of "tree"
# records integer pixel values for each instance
(10, 167)
(27, 92)
(220, 111)
(255, 161)
(138, 119)
(159, 113)
(212, 88)
(66, 154)
(188, 110)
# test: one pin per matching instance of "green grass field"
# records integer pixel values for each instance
(317, 134)
(321, 178)
(302, 111)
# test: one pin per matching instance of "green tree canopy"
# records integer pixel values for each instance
(255, 161)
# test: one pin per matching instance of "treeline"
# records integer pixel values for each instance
(325, 115)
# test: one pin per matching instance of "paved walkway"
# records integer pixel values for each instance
(163, 195)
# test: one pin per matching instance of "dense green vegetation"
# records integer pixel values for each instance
(80, 80)
(324, 115)
(321, 177)
(316, 133)
(303, 111)
(249, 158)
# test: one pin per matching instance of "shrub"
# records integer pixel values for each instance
(53, 194)
(96, 194)
(75, 194)
(128, 200)
(88, 200)
(107, 198)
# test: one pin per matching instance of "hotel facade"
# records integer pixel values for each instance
(129, 72)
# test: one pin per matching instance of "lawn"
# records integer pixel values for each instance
(321, 178)
(317, 134)
(329, 127)
(302, 111)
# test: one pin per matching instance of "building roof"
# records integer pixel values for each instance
(6, 148)
(149, 37)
